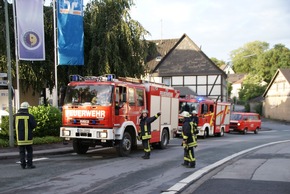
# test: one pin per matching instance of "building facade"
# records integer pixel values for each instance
(180, 63)
(277, 96)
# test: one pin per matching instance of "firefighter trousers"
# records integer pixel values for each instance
(23, 156)
(146, 146)
(189, 158)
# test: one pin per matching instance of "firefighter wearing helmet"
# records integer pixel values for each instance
(194, 117)
(189, 140)
(145, 134)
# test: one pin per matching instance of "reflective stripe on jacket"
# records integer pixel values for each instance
(24, 123)
(188, 132)
(145, 125)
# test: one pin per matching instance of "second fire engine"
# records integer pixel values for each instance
(213, 116)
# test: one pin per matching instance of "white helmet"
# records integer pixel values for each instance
(194, 112)
(185, 114)
(24, 105)
(144, 111)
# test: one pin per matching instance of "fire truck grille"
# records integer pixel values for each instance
(233, 125)
(84, 134)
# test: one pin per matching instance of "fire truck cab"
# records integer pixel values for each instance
(105, 111)
(213, 117)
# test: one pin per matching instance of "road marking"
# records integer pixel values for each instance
(199, 173)
(34, 160)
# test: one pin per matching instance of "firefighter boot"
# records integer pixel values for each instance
(146, 156)
(191, 165)
(185, 163)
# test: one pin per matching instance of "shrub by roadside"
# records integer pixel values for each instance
(48, 120)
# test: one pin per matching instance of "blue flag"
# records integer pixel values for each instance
(70, 32)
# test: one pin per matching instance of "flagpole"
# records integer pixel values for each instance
(8, 59)
(55, 55)
(17, 97)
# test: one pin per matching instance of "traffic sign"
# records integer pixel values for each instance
(3, 74)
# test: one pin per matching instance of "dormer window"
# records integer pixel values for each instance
(158, 58)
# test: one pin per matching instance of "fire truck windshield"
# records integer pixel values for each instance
(89, 94)
(188, 106)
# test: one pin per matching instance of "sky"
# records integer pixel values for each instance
(217, 26)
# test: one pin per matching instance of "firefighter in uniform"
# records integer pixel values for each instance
(145, 135)
(24, 123)
(194, 119)
(189, 129)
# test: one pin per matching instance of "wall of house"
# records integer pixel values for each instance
(235, 90)
(277, 110)
(187, 66)
(277, 100)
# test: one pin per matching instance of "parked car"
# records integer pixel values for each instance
(244, 122)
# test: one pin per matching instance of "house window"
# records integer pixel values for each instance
(177, 80)
(166, 81)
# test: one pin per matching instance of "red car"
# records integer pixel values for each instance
(244, 122)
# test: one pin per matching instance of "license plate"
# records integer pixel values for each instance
(84, 122)
(84, 131)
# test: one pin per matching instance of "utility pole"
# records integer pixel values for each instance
(11, 130)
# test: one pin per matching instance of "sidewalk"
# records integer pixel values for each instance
(38, 150)
(262, 170)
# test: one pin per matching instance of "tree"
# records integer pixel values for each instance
(244, 58)
(252, 87)
(268, 63)
(219, 63)
(114, 42)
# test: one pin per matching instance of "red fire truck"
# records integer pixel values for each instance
(105, 111)
(213, 117)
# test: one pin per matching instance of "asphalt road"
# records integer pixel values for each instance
(102, 171)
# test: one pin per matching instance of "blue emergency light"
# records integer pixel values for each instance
(75, 78)
(110, 77)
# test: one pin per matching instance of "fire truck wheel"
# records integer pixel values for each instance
(245, 131)
(164, 139)
(125, 145)
(205, 134)
(221, 133)
(79, 148)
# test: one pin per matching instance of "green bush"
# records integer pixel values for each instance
(247, 107)
(4, 132)
(48, 120)
(4, 143)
